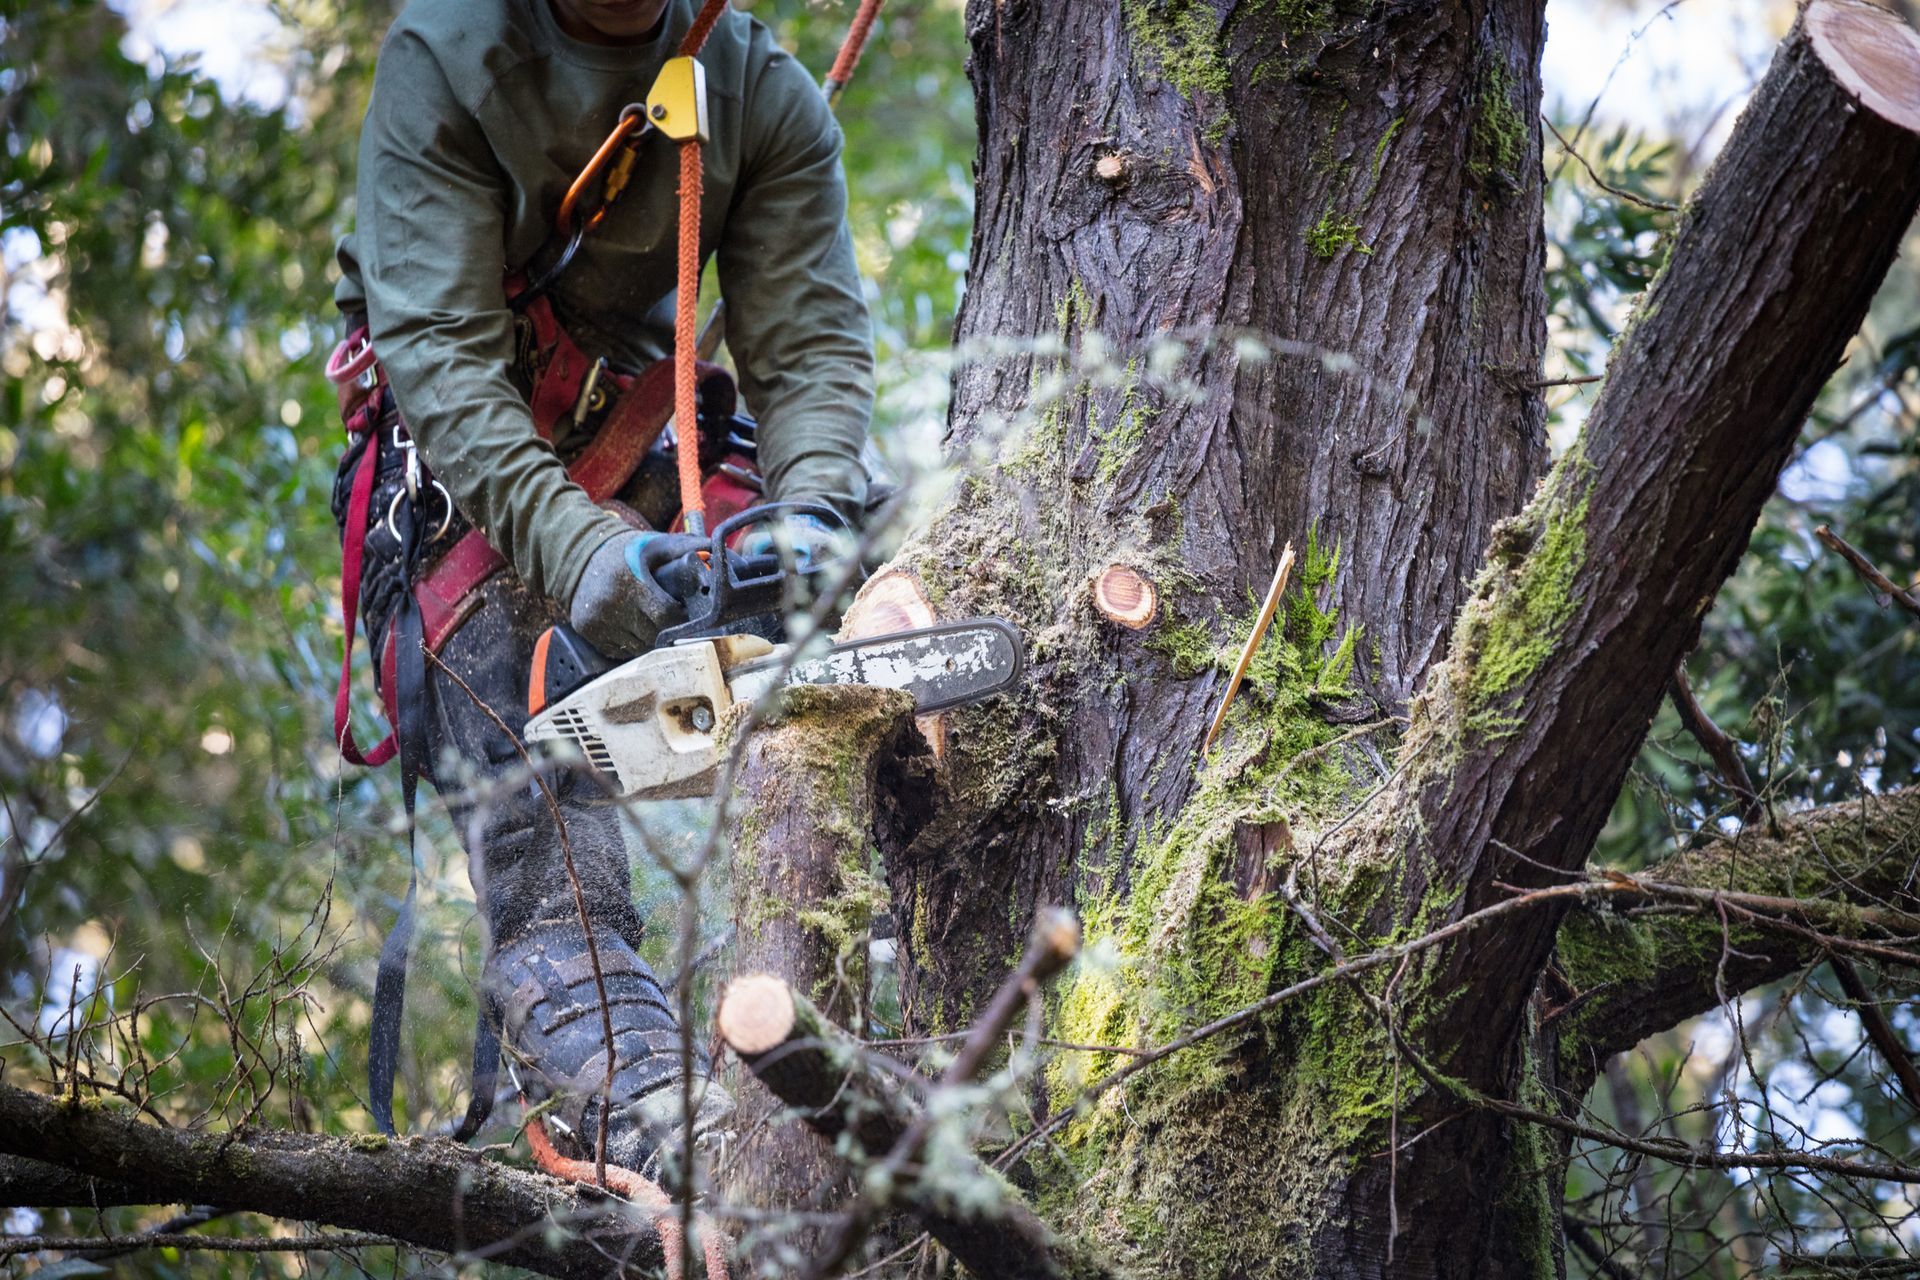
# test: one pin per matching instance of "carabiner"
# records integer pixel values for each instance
(412, 451)
(633, 123)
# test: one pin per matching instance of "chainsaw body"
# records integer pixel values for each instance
(648, 726)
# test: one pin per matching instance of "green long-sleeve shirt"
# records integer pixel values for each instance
(482, 113)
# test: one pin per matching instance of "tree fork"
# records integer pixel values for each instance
(1591, 597)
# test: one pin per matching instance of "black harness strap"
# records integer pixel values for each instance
(410, 706)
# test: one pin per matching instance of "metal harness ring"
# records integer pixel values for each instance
(393, 512)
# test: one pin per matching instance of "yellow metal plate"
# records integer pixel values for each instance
(677, 103)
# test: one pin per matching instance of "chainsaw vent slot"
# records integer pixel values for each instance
(571, 722)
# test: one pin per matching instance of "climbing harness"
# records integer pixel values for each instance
(434, 602)
(437, 598)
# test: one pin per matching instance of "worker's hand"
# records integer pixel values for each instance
(809, 538)
(619, 606)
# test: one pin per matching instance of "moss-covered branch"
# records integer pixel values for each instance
(1843, 871)
(806, 889)
(427, 1192)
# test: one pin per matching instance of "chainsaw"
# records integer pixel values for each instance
(649, 725)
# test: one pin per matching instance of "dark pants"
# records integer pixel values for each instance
(505, 823)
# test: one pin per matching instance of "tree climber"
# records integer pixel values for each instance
(525, 369)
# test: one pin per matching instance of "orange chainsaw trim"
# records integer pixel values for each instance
(537, 686)
(641, 1191)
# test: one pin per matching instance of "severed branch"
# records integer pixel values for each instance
(804, 902)
(1869, 571)
(1721, 749)
(424, 1192)
(826, 1076)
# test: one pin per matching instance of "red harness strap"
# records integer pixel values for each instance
(352, 365)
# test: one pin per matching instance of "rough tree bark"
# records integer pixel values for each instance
(1282, 266)
(804, 903)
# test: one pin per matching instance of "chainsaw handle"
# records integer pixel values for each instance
(741, 587)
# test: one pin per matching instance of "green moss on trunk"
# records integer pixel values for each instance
(1195, 933)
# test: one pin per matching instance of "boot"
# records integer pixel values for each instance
(542, 985)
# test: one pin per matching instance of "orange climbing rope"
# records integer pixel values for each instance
(641, 1191)
(851, 48)
(686, 340)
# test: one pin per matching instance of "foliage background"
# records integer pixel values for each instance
(169, 637)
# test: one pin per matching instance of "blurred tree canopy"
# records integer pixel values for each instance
(170, 639)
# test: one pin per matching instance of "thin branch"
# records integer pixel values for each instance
(1055, 940)
(1869, 571)
(1690, 1157)
(851, 1098)
(1596, 1253)
(94, 1245)
(1894, 1053)
(1660, 205)
(1721, 749)
(579, 906)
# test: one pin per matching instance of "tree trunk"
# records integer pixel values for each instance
(1293, 256)
(1259, 274)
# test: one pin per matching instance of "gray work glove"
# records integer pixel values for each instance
(809, 538)
(619, 607)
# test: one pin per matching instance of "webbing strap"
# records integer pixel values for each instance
(352, 555)
(410, 729)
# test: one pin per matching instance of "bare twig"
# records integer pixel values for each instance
(1898, 1058)
(579, 905)
(1869, 571)
(1660, 205)
(1721, 749)
(1055, 940)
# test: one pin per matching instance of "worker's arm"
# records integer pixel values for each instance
(431, 237)
(796, 318)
